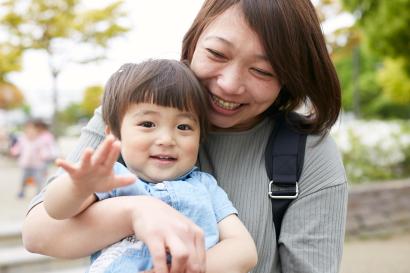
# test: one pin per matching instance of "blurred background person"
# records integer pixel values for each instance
(30, 151)
(50, 150)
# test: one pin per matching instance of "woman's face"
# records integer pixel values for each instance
(231, 63)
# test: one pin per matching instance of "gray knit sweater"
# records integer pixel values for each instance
(312, 234)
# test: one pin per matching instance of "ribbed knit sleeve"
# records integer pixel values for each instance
(91, 136)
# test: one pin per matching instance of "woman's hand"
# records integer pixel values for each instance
(166, 231)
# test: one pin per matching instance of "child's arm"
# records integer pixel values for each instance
(69, 194)
(236, 250)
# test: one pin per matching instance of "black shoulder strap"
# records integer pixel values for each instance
(284, 155)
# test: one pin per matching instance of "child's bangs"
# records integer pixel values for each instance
(172, 94)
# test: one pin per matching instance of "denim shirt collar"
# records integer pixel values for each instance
(182, 177)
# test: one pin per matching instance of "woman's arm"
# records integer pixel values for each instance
(161, 227)
(313, 227)
(236, 251)
(103, 223)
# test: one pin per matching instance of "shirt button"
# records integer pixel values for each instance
(160, 186)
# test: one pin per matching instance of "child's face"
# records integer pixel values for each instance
(31, 131)
(159, 143)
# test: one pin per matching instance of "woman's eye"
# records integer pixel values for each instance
(184, 127)
(146, 124)
(263, 73)
(216, 54)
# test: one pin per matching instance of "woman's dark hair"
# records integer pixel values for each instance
(291, 35)
(163, 82)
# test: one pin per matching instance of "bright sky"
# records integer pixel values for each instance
(158, 27)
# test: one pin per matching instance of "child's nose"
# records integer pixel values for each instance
(165, 138)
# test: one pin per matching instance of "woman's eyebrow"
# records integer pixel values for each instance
(258, 56)
(221, 39)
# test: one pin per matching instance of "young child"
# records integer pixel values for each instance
(157, 109)
(30, 150)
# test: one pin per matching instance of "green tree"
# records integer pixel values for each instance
(10, 61)
(91, 99)
(365, 82)
(71, 114)
(395, 81)
(344, 45)
(59, 25)
(386, 24)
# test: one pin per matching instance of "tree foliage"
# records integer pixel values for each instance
(57, 26)
(381, 75)
(10, 59)
(386, 24)
(395, 82)
(10, 96)
(91, 99)
(83, 110)
(72, 114)
(367, 85)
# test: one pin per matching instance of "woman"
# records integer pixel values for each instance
(254, 57)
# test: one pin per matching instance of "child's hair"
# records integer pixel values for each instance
(40, 124)
(163, 82)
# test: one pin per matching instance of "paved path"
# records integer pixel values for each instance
(383, 255)
(388, 255)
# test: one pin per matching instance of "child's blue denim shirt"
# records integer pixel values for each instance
(195, 194)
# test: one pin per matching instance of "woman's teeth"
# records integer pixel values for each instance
(225, 104)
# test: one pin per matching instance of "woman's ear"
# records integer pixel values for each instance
(107, 130)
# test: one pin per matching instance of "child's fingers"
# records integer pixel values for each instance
(66, 166)
(103, 150)
(113, 154)
(85, 161)
(121, 181)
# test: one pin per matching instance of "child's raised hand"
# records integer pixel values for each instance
(94, 172)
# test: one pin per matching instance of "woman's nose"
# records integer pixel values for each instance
(231, 80)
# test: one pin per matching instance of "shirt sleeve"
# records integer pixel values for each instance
(313, 226)
(223, 207)
(91, 136)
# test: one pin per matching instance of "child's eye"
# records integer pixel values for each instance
(184, 127)
(146, 124)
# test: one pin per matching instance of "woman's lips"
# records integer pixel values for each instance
(223, 104)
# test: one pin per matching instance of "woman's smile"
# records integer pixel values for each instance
(224, 104)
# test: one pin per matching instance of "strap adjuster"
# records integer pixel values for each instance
(283, 192)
